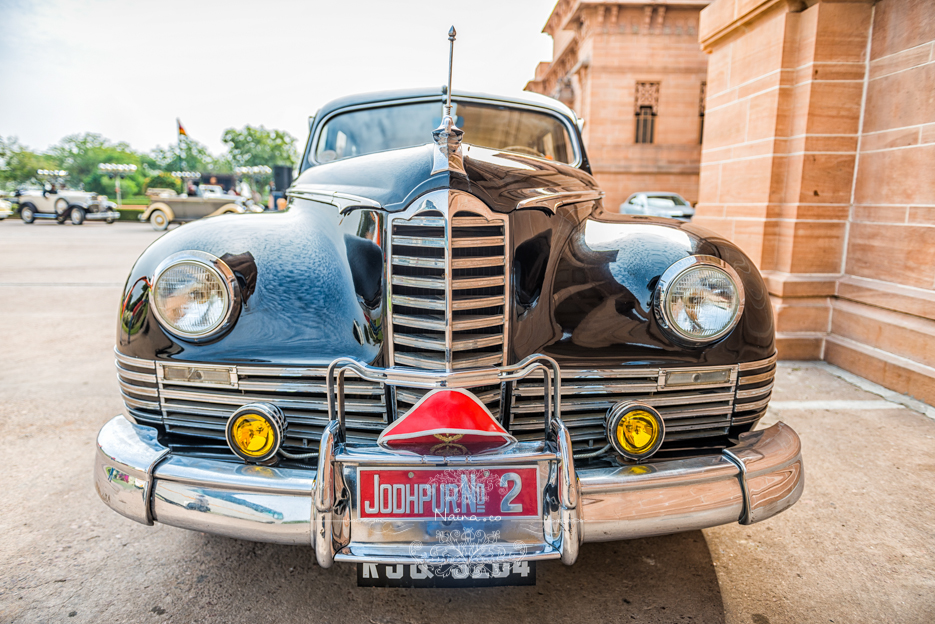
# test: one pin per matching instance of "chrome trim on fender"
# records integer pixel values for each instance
(342, 201)
(552, 200)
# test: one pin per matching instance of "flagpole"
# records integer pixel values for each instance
(178, 136)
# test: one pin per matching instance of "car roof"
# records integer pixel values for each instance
(361, 99)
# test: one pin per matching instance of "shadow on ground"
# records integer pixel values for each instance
(664, 579)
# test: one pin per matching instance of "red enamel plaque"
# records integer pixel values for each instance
(446, 422)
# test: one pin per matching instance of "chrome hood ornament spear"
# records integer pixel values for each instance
(448, 136)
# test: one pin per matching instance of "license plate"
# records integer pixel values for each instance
(474, 494)
(447, 575)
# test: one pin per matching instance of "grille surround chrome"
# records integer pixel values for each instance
(443, 212)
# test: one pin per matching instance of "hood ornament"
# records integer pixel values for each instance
(447, 152)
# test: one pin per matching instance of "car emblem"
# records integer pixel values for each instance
(447, 422)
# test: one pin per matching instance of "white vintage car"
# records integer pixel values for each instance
(65, 205)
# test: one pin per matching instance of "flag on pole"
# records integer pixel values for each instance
(182, 132)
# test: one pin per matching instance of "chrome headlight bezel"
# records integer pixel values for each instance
(673, 274)
(224, 274)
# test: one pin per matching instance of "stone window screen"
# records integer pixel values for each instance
(646, 108)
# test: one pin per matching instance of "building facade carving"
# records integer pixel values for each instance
(609, 57)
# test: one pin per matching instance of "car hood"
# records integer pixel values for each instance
(396, 177)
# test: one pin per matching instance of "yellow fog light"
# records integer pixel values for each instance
(635, 430)
(255, 431)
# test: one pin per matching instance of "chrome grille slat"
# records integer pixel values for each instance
(433, 263)
(477, 263)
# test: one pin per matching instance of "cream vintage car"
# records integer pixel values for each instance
(64, 205)
(169, 207)
(6, 209)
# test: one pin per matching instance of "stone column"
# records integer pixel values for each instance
(784, 98)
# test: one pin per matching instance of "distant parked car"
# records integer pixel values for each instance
(6, 209)
(670, 205)
(169, 207)
(64, 205)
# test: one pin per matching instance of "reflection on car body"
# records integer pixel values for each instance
(670, 205)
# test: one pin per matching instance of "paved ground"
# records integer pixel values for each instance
(858, 547)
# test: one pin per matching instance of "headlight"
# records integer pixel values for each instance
(699, 299)
(195, 295)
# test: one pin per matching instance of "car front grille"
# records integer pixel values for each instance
(201, 410)
(448, 286)
(696, 414)
(692, 412)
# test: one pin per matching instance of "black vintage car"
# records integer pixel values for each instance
(446, 360)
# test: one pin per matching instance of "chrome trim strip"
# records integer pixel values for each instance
(475, 303)
(141, 390)
(342, 201)
(128, 374)
(479, 241)
(419, 302)
(759, 363)
(132, 361)
(413, 241)
(476, 263)
(425, 263)
(431, 283)
(746, 394)
(412, 321)
(752, 379)
(754, 405)
(551, 200)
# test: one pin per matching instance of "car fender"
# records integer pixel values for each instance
(304, 300)
(231, 208)
(158, 206)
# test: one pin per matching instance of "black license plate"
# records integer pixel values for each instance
(446, 575)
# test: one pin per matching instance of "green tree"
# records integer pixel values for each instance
(254, 146)
(18, 164)
(195, 157)
(80, 154)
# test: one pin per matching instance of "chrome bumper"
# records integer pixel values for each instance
(142, 480)
(102, 215)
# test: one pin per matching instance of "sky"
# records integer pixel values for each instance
(128, 69)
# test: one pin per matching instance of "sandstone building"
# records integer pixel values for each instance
(819, 160)
(635, 73)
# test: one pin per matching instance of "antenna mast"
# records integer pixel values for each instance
(452, 34)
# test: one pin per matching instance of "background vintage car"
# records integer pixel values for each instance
(417, 264)
(169, 207)
(65, 205)
(6, 208)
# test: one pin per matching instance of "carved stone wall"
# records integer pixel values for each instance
(819, 160)
(601, 53)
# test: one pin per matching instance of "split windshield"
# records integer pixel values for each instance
(373, 130)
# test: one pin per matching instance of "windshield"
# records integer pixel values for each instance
(666, 201)
(392, 127)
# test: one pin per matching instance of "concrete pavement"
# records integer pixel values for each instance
(858, 547)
